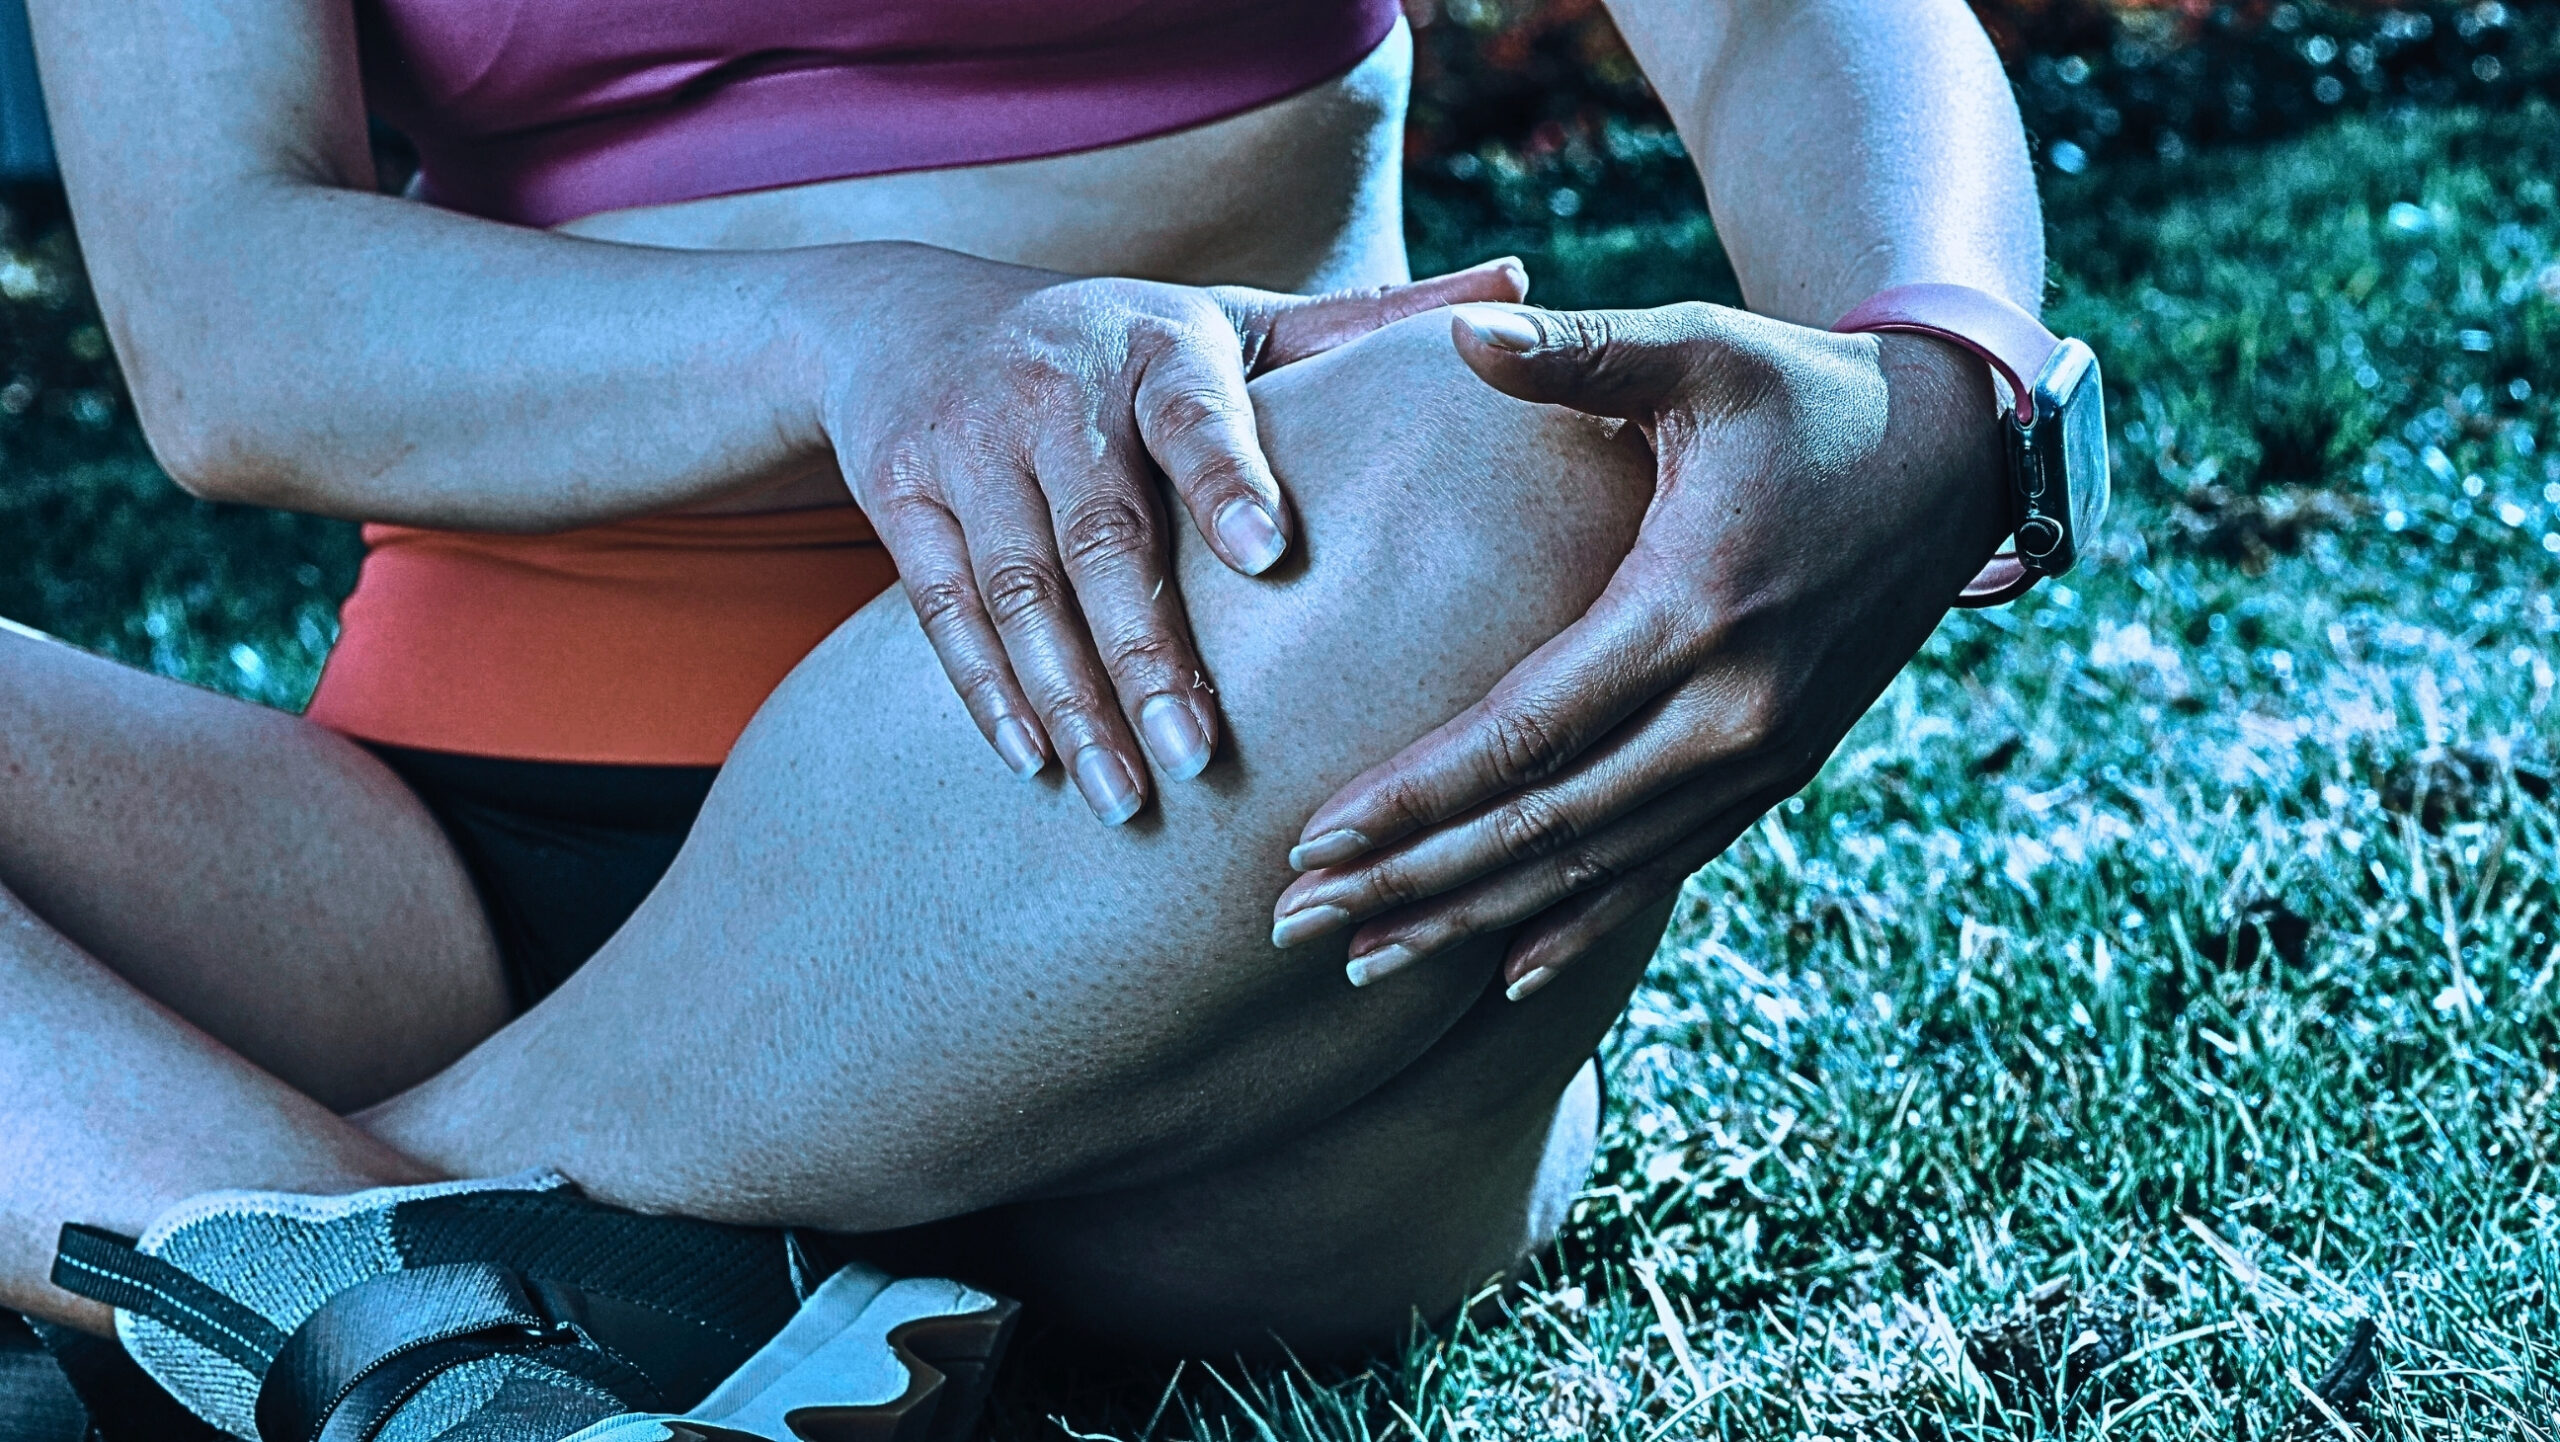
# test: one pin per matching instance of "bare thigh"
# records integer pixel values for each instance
(886, 984)
(263, 878)
(1448, 1178)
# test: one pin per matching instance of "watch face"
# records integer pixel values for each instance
(2063, 480)
(2084, 454)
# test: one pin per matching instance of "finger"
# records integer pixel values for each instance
(1197, 421)
(933, 567)
(1673, 742)
(1022, 580)
(1561, 935)
(1622, 363)
(1513, 895)
(1110, 534)
(1574, 689)
(1278, 329)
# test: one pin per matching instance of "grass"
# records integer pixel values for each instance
(2157, 986)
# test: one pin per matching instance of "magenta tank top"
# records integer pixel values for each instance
(540, 111)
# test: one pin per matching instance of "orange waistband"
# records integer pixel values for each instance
(646, 642)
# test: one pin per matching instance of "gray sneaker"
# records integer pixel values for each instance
(519, 1310)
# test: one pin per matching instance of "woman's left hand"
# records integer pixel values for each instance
(1819, 502)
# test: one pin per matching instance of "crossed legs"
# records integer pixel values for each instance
(886, 985)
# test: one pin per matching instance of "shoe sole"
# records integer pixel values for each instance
(917, 1354)
(951, 1364)
(868, 1359)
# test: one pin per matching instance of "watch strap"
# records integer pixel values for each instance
(2002, 579)
(2013, 343)
(2003, 334)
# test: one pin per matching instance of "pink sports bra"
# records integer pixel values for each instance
(540, 111)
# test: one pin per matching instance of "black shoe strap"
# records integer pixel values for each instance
(104, 1267)
(369, 1349)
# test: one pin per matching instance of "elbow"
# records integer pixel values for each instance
(200, 459)
(211, 451)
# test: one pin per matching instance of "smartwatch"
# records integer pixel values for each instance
(2053, 420)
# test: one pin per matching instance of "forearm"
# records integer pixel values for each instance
(1849, 145)
(345, 353)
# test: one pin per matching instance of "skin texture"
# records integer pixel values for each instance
(887, 987)
(1822, 500)
(1634, 747)
(356, 355)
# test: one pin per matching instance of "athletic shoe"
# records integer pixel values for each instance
(519, 1310)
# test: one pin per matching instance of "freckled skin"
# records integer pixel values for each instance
(1177, 1134)
(218, 925)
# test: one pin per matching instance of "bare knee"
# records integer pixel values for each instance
(1447, 531)
(1491, 513)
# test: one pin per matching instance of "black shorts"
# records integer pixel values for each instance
(561, 852)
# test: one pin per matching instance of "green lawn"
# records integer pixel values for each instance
(2162, 975)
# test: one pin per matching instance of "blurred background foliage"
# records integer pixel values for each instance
(2158, 997)
(1532, 127)
(1531, 132)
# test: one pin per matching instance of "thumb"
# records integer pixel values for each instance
(1278, 329)
(1626, 364)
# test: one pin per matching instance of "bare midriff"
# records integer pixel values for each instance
(654, 641)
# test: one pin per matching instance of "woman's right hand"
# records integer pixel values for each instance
(1003, 428)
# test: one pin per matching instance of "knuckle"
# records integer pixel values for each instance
(1143, 654)
(1045, 386)
(1074, 713)
(1192, 407)
(1405, 807)
(1021, 586)
(904, 478)
(1391, 886)
(1524, 745)
(1584, 867)
(1594, 332)
(1106, 528)
(980, 680)
(1756, 726)
(1763, 721)
(942, 599)
(1529, 824)
(1160, 330)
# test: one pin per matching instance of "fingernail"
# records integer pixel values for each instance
(1501, 329)
(1019, 748)
(1299, 927)
(1107, 785)
(1385, 961)
(1174, 737)
(1251, 537)
(1529, 982)
(1331, 849)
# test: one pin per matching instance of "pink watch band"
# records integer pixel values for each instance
(2013, 343)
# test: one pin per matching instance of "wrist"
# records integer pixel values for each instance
(858, 319)
(1946, 398)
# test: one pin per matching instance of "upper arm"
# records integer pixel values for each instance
(1689, 48)
(150, 98)
(168, 114)
(1846, 144)
(1680, 45)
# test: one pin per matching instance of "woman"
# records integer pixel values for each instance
(679, 279)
